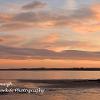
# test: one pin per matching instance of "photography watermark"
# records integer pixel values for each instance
(6, 84)
(23, 90)
(9, 87)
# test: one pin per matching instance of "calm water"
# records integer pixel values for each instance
(71, 93)
(49, 74)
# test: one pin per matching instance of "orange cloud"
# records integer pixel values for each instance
(51, 38)
(58, 42)
(96, 9)
(14, 26)
(91, 24)
(12, 40)
(5, 17)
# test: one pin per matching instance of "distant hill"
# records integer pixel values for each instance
(51, 69)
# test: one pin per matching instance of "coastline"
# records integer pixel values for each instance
(51, 69)
(64, 83)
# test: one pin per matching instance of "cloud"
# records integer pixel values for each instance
(24, 53)
(51, 38)
(52, 41)
(4, 18)
(83, 20)
(91, 23)
(11, 39)
(58, 42)
(34, 5)
(14, 26)
(70, 4)
(6, 37)
(43, 19)
(95, 8)
(27, 53)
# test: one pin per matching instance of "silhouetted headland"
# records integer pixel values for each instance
(51, 69)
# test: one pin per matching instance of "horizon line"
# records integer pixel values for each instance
(50, 69)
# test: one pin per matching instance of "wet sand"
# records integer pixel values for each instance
(65, 83)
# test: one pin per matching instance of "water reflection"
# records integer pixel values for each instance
(49, 74)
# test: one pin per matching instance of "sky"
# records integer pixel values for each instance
(49, 33)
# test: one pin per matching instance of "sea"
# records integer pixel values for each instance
(50, 85)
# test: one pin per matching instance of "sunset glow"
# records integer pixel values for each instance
(49, 33)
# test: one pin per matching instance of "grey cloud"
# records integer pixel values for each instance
(82, 13)
(28, 53)
(58, 18)
(24, 53)
(34, 5)
(26, 17)
(13, 26)
(60, 44)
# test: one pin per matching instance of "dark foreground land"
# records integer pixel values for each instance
(65, 83)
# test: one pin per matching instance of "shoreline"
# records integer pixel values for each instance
(51, 69)
(64, 83)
